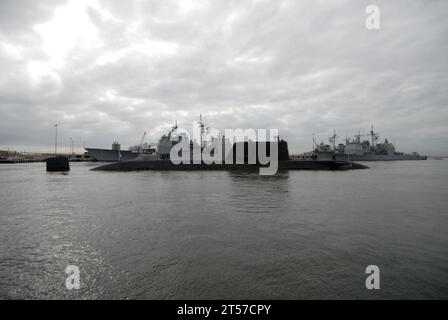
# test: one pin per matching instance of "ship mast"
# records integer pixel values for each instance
(201, 127)
(203, 130)
(314, 143)
(332, 139)
(374, 136)
(358, 137)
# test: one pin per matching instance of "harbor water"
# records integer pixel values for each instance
(224, 235)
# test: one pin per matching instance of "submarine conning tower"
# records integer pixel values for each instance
(283, 152)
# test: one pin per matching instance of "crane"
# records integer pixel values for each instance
(141, 142)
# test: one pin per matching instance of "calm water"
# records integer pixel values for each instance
(211, 235)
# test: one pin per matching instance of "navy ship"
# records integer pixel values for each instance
(111, 155)
(357, 149)
(116, 154)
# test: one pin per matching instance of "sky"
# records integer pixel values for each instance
(107, 70)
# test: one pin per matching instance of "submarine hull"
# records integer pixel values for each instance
(166, 165)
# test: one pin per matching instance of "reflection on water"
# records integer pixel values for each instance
(224, 235)
(252, 193)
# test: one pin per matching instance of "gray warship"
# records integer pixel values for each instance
(357, 149)
(111, 155)
(117, 154)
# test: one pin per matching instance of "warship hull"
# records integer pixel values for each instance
(108, 155)
(378, 157)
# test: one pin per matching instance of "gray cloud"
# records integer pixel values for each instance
(107, 70)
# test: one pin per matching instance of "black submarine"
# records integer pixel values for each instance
(162, 162)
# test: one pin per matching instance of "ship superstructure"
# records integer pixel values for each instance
(142, 150)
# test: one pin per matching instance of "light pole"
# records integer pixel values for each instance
(56, 139)
(72, 146)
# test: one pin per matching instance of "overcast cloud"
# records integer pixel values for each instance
(109, 70)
